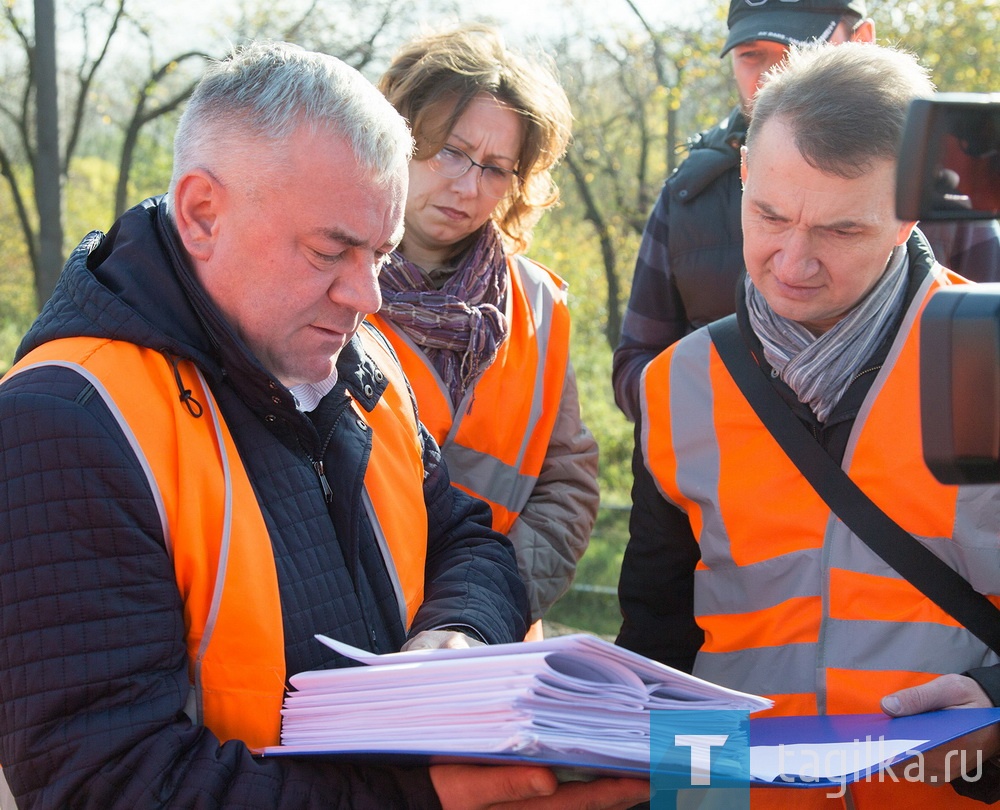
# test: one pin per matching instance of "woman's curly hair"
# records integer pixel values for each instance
(432, 80)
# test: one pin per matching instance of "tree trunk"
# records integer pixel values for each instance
(612, 329)
(47, 168)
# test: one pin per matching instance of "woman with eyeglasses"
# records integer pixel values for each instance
(481, 330)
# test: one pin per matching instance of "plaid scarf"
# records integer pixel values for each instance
(461, 326)
(819, 369)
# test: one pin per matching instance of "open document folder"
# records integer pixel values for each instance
(576, 700)
(576, 703)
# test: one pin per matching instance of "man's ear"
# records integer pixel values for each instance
(743, 165)
(865, 32)
(198, 199)
(905, 229)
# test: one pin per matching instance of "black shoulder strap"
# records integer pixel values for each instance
(910, 558)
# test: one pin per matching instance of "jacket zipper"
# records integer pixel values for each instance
(863, 372)
(318, 466)
(323, 481)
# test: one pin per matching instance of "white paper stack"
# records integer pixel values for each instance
(574, 697)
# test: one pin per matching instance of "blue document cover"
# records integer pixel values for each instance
(854, 745)
(921, 732)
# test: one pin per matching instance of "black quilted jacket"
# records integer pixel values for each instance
(93, 670)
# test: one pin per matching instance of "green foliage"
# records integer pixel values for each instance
(17, 292)
(153, 162)
(568, 247)
(17, 305)
(91, 180)
(959, 40)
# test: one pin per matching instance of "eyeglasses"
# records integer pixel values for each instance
(452, 162)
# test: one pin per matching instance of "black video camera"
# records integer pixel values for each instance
(949, 168)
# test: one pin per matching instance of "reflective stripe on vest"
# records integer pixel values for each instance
(495, 448)
(236, 656)
(793, 605)
(394, 480)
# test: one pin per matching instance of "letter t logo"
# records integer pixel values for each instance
(700, 749)
(701, 752)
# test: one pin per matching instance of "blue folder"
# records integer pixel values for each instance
(937, 728)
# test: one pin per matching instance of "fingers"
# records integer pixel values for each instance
(946, 692)
(601, 794)
(440, 639)
(476, 787)
(516, 787)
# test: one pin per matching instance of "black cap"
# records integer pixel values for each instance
(790, 22)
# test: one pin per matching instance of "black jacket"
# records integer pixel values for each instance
(93, 668)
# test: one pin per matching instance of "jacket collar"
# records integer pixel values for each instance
(360, 373)
(711, 154)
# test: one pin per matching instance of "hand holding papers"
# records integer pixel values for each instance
(572, 700)
(579, 703)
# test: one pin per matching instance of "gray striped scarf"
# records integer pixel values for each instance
(819, 369)
(461, 326)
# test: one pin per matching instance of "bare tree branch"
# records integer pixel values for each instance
(291, 33)
(592, 213)
(23, 218)
(18, 29)
(363, 53)
(85, 78)
(141, 116)
(23, 120)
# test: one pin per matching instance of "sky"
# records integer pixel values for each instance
(199, 22)
(528, 19)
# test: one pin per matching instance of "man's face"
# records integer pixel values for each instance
(294, 263)
(751, 60)
(814, 243)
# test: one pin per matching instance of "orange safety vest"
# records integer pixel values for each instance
(495, 441)
(236, 655)
(793, 605)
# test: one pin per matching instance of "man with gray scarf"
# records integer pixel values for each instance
(692, 247)
(736, 569)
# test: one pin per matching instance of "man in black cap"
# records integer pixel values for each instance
(760, 34)
(692, 249)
